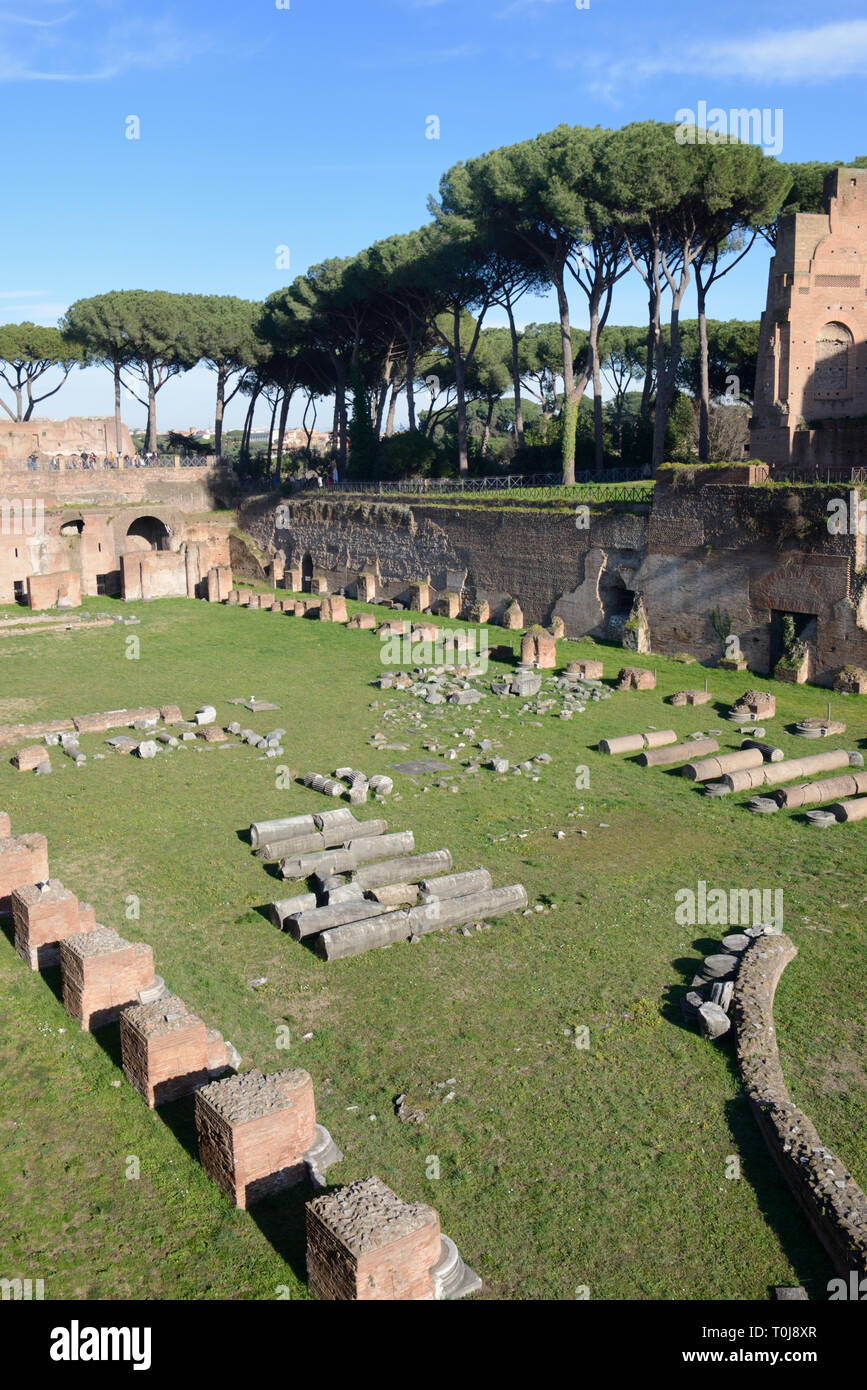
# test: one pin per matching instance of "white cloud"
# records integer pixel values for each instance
(808, 56)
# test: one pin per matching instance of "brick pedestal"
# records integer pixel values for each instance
(44, 915)
(364, 1242)
(365, 588)
(166, 1051)
(219, 584)
(448, 605)
(254, 1131)
(23, 860)
(102, 973)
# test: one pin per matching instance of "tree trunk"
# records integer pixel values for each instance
(593, 364)
(665, 380)
(118, 424)
(463, 459)
(704, 381)
(218, 416)
(516, 379)
(486, 437)
(389, 422)
(151, 444)
(652, 348)
(570, 405)
(271, 429)
(281, 430)
(410, 380)
(248, 426)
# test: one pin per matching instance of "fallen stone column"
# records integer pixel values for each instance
(394, 895)
(319, 919)
(410, 869)
(288, 907)
(830, 789)
(354, 938)
(769, 751)
(635, 743)
(770, 774)
(339, 861)
(661, 757)
(456, 912)
(342, 833)
(455, 885)
(265, 830)
(714, 768)
(850, 810)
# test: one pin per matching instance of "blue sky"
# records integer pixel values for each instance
(306, 127)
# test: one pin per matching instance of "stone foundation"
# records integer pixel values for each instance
(254, 1131)
(23, 860)
(44, 915)
(166, 1051)
(365, 1243)
(102, 974)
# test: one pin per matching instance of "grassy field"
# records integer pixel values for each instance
(559, 1168)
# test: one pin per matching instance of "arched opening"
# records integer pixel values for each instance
(148, 533)
(307, 574)
(833, 345)
(72, 528)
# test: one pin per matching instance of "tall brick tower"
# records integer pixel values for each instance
(812, 364)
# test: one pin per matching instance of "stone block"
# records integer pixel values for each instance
(23, 860)
(539, 648)
(419, 597)
(171, 714)
(365, 588)
(59, 590)
(165, 1050)
(636, 678)
(245, 597)
(219, 583)
(513, 618)
(293, 578)
(28, 759)
(212, 733)
(587, 670)
(44, 915)
(365, 1243)
(852, 680)
(364, 622)
(480, 611)
(448, 605)
(254, 1131)
(102, 974)
(761, 704)
(333, 610)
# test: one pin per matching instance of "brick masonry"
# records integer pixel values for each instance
(812, 363)
(253, 1132)
(102, 973)
(365, 1243)
(23, 860)
(164, 1049)
(44, 915)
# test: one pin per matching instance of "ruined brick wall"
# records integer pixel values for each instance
(76, 435)
(704, 549)
(38, 540)
(497, 554)
(812, 361)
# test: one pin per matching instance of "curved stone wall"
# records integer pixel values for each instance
(833, 1202)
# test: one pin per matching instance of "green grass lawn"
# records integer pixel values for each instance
(558, 1167)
